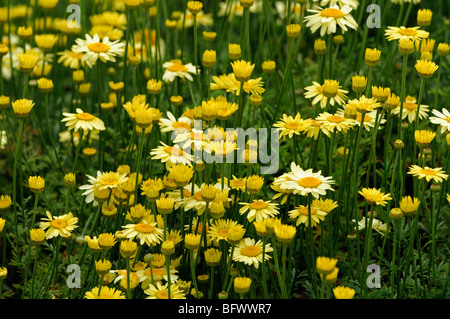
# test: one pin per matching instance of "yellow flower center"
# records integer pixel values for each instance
(110, 181)
(156, 272)
(58, 223)
(427, 171)
(309, 182)
(170, 150)
(198, 196)
(186, 193)
(223, 232)
(144, 228)
(99, 47)
(258, 205)
(251, 251)
(332, 13)
(292, 125)
(409, 105)
(85, 116)
(76, 55)
(237, 183)
(367, 118)
(162, 294)
(407, 32)
(182, 125)
(447, 119)
(177, 68)
(335, 118)
(304, 210)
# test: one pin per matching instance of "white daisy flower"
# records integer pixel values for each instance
(441, 118)
(176, 68)
(328, 19)
(94, 49)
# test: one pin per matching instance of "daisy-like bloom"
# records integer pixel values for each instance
(176, 68)
(105, 293)
(290, 126)
(82, 120)
(409, 205)
(22, 107)
(301, 215)
(441, 118)
(306, 182)
(5, 202)
(146, 232)
(364, 104)
(242, 70)
(312, 129)
(71, 59)
(219, 228)
(284, 193)
(103, 181)
(377, 225)
(435, 174)
(424, 137)
(229, 83)
(93, 49)
(171, 155)
(369, 119)
(351, 3)
(170, 124)
(342, 292)
(374, 196)
(331, 122)
(316, 92)
(195, 139)
(259, 210)
(324, 205)
(410, 110)
(160, 291)
(396, 33)
(59, 225)
(426, 68)
(159, 274)
(329, 18)
(325, 265)
(249, 252)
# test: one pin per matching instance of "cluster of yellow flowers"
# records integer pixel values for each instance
(163, 196)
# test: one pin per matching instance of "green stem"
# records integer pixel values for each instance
(17, 165)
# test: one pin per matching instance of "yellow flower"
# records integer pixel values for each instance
(285, 233)
(194, 6)
(397, 33)
(27, 62)
(424, 137)
(2, 224)
(259, 210)
(83, 120)
(325, 265)
(45, 85)
(409, 206)
(209, 58)
(192, 241)
(58, 226)
(435, 174)
(320, 47)
(146, 231)
(36, 184)
(341, 292)
(160, 291)
(301, 215)
(288, 125)
(364, 105)
(37, 236)
(212, 257)
(22, 107)
(426, 68)
(234, 51)
(424, 17)
(372, 57)
(374, 196)
(45, 41)
(242, 284)
(154, 86)
(293, 30)
(268, 66)
(242, 70)
(359, 83)
(103, 266)
(104, 293)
